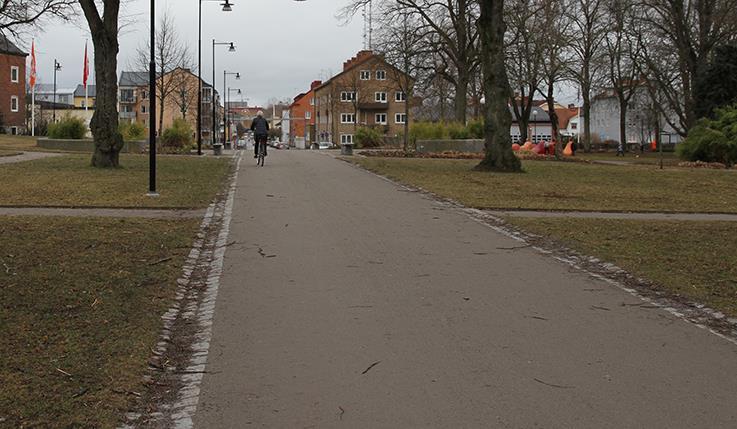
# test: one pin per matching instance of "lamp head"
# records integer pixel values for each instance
(227, 6)
(237, 76)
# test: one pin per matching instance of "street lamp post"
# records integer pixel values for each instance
(225, 102)
(237, 91)
(231, 48)
(152, 106)
(534, 124)
(57, 67)
(226, 8)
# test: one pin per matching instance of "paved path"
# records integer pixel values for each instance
(27, 156)
(608, 215)
(348, 302)
(93, 212)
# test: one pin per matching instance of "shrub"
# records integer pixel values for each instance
(450, 130)
(457, 131)
(368, 137)
(132, 131)
(68, 128)
(178, 138)
(475, 129)
(712, 140)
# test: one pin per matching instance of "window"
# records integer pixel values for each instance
(346, 138)
(347, 96)
(347, 118)
(126, 95)
(380, 75)
(14, 74)
(14, 103)
(381, 118)
(312, 101)
(380, 97)
(13, 131)
(400, 97)
(144, 95)
(365, 75)
(400, 118)
(206, 95)
(308, 115)
(574, 125)
(144, 108)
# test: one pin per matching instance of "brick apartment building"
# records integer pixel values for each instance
(369, 92)
(12, 87)
(302, 118)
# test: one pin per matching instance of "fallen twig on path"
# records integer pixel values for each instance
(340, 414)
(596, 307)
(514, 248)
(371, 366)
(557, 386)
(161, 261)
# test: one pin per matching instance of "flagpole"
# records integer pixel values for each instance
(86, 72)
(33, 88)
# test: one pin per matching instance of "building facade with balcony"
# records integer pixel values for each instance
(369, 92)
(181, 102)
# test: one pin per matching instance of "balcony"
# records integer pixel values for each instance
(127, 115)
(373, 106)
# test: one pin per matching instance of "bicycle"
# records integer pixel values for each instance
(261, 153)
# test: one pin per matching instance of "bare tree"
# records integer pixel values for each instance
(171, 54)
(525, 43)
(185, 92)
(453, 23)
(20, 16)
(621, 51)
(676, 39)
(104, 123)
(404, 49)
(587, 20)
(498, 120)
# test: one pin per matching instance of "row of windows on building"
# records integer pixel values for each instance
(366, 75)
(379, 118)
(379, 97)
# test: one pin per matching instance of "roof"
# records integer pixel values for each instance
(541, 116)
(140, 78)
(133, 78)
(43, 88)
(91, 90)
(7, 47)
(360, 59)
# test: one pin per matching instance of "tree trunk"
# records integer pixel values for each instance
(104, 123)
(623, 121)
(550, 97)
(460, 102)
(498, 119)
(586, 121)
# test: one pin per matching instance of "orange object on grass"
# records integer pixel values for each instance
(568, 151)
(516, 147)
(654, 145)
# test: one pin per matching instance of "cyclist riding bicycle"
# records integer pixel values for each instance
(260, 128)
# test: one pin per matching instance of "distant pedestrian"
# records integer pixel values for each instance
(574, 147)
(620, 149)
(260, 128)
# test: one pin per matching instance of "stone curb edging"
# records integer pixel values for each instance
(193, 311)
(692, 312)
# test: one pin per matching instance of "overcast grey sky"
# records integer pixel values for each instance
(282, 45)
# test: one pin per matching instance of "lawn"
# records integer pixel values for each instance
(648, 158)
(695, 260)
(183, 181)
(80, 308)
(18, 143)
(549, 185)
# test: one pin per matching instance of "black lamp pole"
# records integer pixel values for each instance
(231, 48)
(226, 8)
(152, 106)
(57, 67)
(226, 95)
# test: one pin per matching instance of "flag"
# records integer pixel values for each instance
(32, 80)
(86, 66)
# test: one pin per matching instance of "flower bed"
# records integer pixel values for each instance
(702, 164)
(524, 155)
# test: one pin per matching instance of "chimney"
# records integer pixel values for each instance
(315, 84)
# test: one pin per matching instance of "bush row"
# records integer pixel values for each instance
(712, 140)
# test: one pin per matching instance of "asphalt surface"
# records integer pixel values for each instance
(347, 301)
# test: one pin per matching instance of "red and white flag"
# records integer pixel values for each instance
(32, 80)
(86, 66)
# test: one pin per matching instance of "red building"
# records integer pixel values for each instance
(301, 115)
(12, 87)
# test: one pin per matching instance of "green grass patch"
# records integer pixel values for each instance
(567, 186)
(80, 309)
(187, 182)
(18, 143)
(695, 260)
(648, 158)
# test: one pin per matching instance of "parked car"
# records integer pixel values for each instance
(325, 145)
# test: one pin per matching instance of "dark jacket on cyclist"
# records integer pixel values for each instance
(260, 128)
